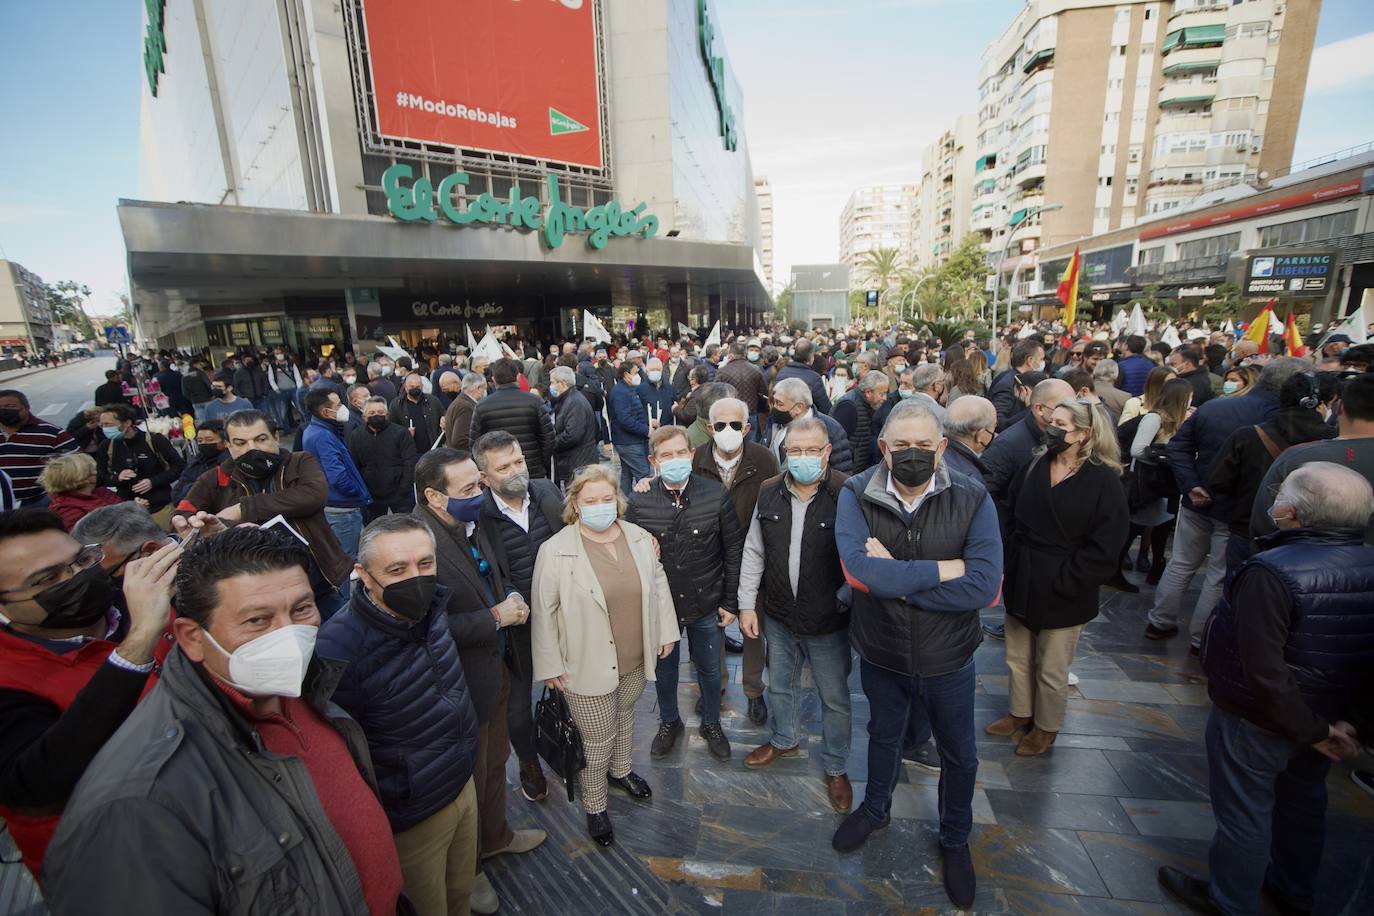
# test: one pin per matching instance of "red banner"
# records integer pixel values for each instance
(1193, 223)
(505, 76)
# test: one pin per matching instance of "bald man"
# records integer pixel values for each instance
(970, 427)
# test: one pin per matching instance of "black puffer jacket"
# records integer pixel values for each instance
(521, 546)
(575, 435)
(386, 459)
(524, 416)
(701, 543)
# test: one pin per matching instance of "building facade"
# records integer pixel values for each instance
(341, 175)
(25, 316)
(878, 216)
(763, 191)
(1111, 112)
(941, 219)
(820, 295)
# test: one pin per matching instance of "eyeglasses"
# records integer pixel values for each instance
(804, 452)
(85, 558)
(736, 425)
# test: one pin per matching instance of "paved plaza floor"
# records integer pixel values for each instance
(1080, 830)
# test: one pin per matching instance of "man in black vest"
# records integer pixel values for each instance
(855, 412)
(792, 570)
(920, 546)
(522, 514)
(1288, 660)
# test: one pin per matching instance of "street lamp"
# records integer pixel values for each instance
(1011, 230)
(880, 303)
(901, 305)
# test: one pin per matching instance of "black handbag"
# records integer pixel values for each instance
(557, 738)
(1150, 478)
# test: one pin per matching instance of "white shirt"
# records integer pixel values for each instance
(910, 507)
(520, 515)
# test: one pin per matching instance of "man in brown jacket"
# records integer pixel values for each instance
(742, 466)
(255, 484)
(748, 382)
(458, 419)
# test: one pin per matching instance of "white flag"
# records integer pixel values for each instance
(1170, 336)
(1230, 327)
(683, 330)
(472, 341)
(1026, 331)
(1120, 321)
(714, 336)
(395, 350)
(1355, 327)
(489, 348)
(593, 328)
(1136, 324)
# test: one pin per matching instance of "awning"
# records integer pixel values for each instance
(1036, 58)
(1204, 34)
(983, 163)
(1188, 99)
(1018, 216)
(1188, 66)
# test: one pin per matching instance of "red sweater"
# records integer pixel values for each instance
(349, 803)
(72, 507)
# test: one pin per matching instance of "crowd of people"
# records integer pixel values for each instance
(293, 649)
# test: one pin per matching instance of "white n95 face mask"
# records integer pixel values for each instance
(273, 664)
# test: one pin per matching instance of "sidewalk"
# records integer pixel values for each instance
(9, 374)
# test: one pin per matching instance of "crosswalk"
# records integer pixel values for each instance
(53, 410)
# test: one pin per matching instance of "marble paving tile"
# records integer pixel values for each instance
(994, 684)
(1031, 903)
(1066, 769)
(1062, 810)
(1123, 720)
(1189, 694)
(706, 874)
(1174, 777)
(1172, 666)
(1034, 858)
(659, 827)
(756, 788)
(923, 802)
(1100, 742)
(1345, 883)
(783, 839)
(1129, 691)
(1156, 817)
(991, 774)
(1128, 864)
(756, 902)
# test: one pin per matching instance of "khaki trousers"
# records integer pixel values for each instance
(755, 655)
(1038, 665)
(439, 857)
(489, 773)
(607, 726)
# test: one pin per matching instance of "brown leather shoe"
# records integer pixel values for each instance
(1007, 726)
(841, 793)
(1036, 742)
(765, 754)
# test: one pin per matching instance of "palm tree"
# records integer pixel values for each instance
(882, 267)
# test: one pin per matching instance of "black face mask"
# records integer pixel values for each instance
(411, 597)
(11, 417)
(259, 464)
(912, 467)
(779, 417)
(209, 453)
(377, 423)
(218, 392)
(1055, 441)
(79, 602)
(414, 393)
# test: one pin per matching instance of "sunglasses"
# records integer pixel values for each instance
(736, 425)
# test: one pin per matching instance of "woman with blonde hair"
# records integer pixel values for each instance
(71, 481)
(1141, 404)
(1238, 380)
(1069, 520)
(1150, 522)
(967, 372)
(602, 615)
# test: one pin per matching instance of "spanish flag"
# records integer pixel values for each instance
(1068, 290)
(1292, 342)
(1259, 328)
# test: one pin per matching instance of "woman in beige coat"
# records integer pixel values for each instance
(602, 613)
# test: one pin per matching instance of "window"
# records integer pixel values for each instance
(1114, 84)
(1112, 117)
(1133, 154)
(1148, 14)
(1104, 181)
(1120, 50)
(1252, 29)
(1147, 49)
(1132, 185)
(1268, 72)
(1102, 212)
(1314, 229)
(1109, 149)
(1123, 15)
(1150, 255)
(1209, 247)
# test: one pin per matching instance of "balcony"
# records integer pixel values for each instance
(1183, 61)
(1202, 14)
(1038, 61)
(1196, 34)
(1029, 174)
(1204, 268)
(1197, 92)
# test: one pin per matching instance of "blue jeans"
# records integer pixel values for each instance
(281, 402)
(947, 700)
(831, 663)
(348, 527)
(1269, 800)
(703, 641)
(634, 463)
(331, 603)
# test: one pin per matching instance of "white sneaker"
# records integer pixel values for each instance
(483, 899)
(1073, 679)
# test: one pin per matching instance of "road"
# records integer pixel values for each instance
(57, 394)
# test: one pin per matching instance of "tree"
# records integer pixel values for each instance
(1228, 305)
(882, 266)
(66, 300)
(782, 305)
(958, 288)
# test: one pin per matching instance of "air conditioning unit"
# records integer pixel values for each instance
(1254, 148)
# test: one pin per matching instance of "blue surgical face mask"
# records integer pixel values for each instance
(804, 470)
(1230, 387)
(112, 432)
(598, 517)
(465, 510)
(675, 470)
(905, 393)
(655, 375)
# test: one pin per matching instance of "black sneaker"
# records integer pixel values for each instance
(716, 740)
(925, 757)
(995, 630)
(758, 711)
(1186, 889)
(960, 882)
(854, 831)
(665, 739)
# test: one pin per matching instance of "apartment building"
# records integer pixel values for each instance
(25, 316)
(941, 218)
(763, 193)
(1104, 113)
(877, 216)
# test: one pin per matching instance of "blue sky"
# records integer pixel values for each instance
(837, 95)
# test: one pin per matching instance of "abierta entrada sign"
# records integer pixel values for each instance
(422, 201)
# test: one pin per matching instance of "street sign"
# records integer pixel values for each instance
(118, 334)
(1287, 273)
(872, 297)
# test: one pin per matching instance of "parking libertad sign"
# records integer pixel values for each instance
(422, 201)
(1292, 274)
(493, 75)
